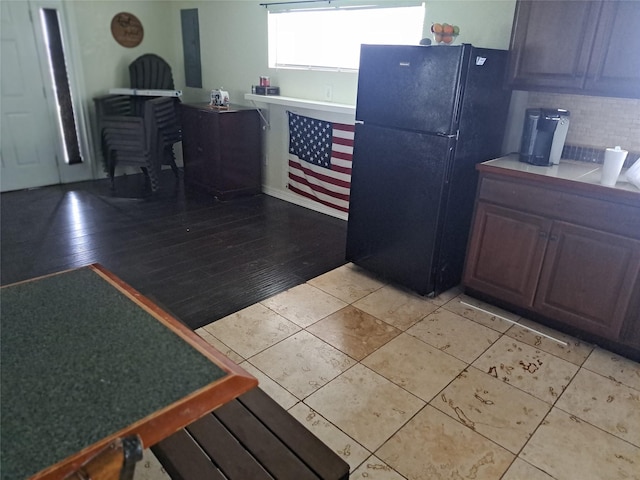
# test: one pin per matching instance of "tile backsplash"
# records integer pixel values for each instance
(596, 122)
(594, 155)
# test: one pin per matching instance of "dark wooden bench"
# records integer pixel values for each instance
(250, 438)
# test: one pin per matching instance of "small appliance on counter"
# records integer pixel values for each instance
(265, 87)
(543, 135)
(219, 98)
(260, 90)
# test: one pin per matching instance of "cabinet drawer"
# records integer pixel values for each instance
(561, 205)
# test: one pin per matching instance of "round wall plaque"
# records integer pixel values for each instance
(127, 29)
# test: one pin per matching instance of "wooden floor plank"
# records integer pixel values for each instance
(276, 458)
(320, 458)
(182, 458)
(233, 460)
(201, 258)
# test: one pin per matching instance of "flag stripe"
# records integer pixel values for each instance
(320, 156)
(342, 155)
(339, 169)
(333, 177)
(344, 127)
(342, 141)
(320, 188)
(333, 180)
(312, 196)
(336, 179)
(345, 164)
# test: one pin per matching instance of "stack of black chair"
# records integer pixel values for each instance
(127, 141)
(161, 115)
(140, 130)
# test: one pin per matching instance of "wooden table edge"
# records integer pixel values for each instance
(175, 416)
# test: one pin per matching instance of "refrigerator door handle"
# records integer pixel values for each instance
(449, 168)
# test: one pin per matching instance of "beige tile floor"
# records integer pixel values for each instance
(403, 386)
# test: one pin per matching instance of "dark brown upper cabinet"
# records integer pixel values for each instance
(589, 47)
(615, 63)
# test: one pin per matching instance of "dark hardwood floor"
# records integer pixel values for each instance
(197, 257)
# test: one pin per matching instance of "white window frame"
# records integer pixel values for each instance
(286, 47)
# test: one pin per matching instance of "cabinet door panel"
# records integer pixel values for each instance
(240, 137)
(505, 253)
(551, 43)
(190, 140)
(615, 62)
(587, 279)
(198, 146)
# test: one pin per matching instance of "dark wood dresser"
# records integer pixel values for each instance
(222, 149)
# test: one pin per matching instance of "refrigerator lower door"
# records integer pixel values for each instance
(397, 187)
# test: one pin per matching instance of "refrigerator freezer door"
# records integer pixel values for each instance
(411, 87)
(397, 186)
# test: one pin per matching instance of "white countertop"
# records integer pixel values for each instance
(302, 103)
(574, 170)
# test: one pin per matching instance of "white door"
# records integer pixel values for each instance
(29, 139)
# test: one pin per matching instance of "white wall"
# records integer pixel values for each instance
(470, 15)
(483, 23)
(104, 62)
(233, 48)
(233, 40)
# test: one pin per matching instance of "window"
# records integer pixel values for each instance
(58, 70)
(329, 36)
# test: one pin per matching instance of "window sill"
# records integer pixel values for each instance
(302, 103)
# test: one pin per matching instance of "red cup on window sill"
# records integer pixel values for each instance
(264, 82)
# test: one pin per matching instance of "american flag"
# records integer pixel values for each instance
(320, 155)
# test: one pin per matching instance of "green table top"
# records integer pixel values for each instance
(80, 361)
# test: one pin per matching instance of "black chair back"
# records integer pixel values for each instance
(150, 72)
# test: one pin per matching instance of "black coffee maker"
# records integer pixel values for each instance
(543, 135)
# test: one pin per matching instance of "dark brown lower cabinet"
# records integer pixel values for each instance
(506, 252)
(548, 254)
(222, 149)
(587, 278)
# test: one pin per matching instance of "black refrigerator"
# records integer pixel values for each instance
(425, 116)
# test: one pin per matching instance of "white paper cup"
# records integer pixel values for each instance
(613, 160)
